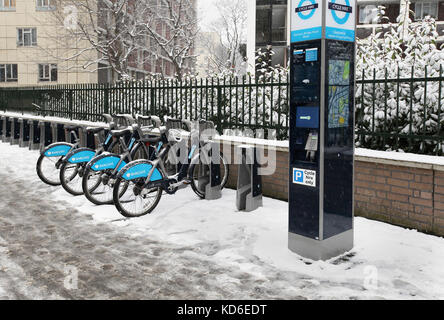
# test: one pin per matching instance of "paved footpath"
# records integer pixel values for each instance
(43, 245)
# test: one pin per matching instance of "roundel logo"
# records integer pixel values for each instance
(335, 7)
(306, 9)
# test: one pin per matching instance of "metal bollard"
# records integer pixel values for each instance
(34, 134)
(24, 133)
(249, 183)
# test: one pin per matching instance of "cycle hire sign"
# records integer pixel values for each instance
(304, 177)
(340, 20)
(306, 20)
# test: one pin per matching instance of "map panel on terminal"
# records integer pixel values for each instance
(339, 94)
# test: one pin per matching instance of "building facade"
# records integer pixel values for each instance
(28, 53)
(35, 49)
(268, 23)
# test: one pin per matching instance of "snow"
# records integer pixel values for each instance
(400, 156)
(408, 264)
(254, 141)
(54, 119)
(278, 144)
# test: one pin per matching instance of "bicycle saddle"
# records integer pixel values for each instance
(94, 129)
(120, 133)
(151, 120)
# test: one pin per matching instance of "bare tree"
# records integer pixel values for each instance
(230, 27)
(172, 26)
(123, 34)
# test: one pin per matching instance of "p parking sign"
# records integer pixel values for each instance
(304, 177)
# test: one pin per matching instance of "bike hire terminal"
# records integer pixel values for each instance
(322, 127)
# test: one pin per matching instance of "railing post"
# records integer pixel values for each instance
(152, 99)
(106, 98)
(71, 103)
(219, 108)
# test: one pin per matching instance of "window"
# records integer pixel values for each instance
(140, 57)
(271, 22)
(45, 5)
(423, 9)
(47, 72)
(279, 24)
(7, 5)
(263, 24)
(8, 73)
(368, 14)
(26, 37)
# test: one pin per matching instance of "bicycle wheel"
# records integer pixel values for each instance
(47, 170)
(71, 176)
(132, 200)
(98, 186)
(194, 173)
(98, 183)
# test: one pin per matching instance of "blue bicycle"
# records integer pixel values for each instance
(55, 155)
(100, 173)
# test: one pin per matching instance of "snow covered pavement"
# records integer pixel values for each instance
(51, 243)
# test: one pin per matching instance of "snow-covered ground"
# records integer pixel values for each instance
(387, 262)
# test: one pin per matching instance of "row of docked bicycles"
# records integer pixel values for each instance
(136, 162)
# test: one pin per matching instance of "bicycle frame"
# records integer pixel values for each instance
(159, 165)
(61, 149)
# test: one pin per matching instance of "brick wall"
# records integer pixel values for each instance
(401, 193)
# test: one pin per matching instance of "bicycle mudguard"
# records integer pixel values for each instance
(58, 149)
(106, 162)
(80, 155)
(140, 169)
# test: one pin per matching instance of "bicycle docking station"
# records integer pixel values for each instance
(58, 132)
(90, 140)
(15, 131)
(69, 138)
(209, 174)
(46, 137)
(24, 133)
(6, 124)
(1, 128)
(321, 128)
(34, 134)
(210, 180)
(249, 182)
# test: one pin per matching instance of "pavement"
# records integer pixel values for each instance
(50, 251)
